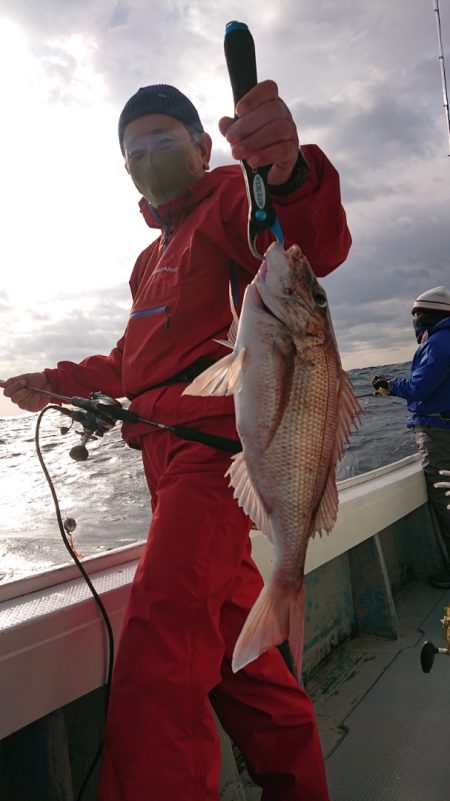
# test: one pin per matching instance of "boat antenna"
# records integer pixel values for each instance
(442, 64)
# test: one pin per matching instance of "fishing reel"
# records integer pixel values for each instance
(429, 650)
(100, 414)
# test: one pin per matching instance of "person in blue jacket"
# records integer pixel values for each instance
(427, 390)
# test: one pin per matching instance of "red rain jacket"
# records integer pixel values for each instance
(179, 287)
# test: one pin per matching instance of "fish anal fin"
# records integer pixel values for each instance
(329, 503)
(246, 495)
(277, 615)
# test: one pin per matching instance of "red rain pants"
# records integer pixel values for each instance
(192, 592)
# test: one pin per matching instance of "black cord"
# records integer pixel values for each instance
(97, 599)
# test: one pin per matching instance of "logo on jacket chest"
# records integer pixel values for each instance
(165, 269)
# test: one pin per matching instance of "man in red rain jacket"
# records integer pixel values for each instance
(196, 580)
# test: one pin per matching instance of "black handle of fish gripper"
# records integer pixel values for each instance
(241, 62)
(241, 59)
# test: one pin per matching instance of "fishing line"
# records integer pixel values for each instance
(85, 575)
(442, 66)
(99, 414)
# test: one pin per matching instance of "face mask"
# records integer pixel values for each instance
(423, 322)
(161, 175)
(419, 329)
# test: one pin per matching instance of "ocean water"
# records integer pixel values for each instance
(107, 495)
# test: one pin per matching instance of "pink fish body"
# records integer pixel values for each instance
(294, 408)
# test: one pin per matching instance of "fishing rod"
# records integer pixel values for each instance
(100, 413)
(442, 66)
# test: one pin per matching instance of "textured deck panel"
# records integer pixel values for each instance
(397, 747)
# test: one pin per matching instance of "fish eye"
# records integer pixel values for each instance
(320, 299)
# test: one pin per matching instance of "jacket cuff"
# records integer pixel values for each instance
(298, 177)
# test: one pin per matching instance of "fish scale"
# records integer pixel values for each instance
(308, 467)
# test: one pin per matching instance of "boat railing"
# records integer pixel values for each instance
(48, 620)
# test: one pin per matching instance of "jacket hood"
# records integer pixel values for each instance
(445, 323)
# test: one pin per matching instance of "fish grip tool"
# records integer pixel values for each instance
(241, 63)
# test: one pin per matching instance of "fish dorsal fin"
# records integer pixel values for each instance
(246, 495)
(349, 412)
(222, 378)
(232, 331)
(348, 415)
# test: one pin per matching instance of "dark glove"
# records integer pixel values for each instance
(381, 384)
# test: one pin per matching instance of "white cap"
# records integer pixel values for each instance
(436, 299)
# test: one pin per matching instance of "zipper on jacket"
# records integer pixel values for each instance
(164, 227)
(149, 312)
(165, 241)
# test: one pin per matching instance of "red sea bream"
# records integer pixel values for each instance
(294, 409)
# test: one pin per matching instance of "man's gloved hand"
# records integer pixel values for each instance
(381, 384)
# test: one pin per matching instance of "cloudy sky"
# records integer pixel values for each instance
(362, 79)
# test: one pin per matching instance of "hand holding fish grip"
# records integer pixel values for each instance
(241, 62)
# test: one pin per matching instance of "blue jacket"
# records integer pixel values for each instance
(427, 388)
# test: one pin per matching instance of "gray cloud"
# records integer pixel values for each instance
(78, 334)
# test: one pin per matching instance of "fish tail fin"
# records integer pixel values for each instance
(277, 615)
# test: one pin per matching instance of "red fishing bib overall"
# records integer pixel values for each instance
(193, 589)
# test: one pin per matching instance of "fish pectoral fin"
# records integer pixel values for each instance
(222, 378)
(277, 615)
(246, 495)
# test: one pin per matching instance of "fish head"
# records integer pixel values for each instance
(290, 292)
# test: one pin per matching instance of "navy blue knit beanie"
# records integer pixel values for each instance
(159, 99)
